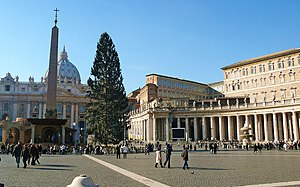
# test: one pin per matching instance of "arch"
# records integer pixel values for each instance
(27, 136)
(49, 135)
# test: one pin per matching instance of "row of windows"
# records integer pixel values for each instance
(173, 84)
(164, 93)
(7, 88)
(280, 63)
(34, 108)
(253, 83)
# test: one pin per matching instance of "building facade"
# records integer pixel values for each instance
(20, 100)
(259, 93)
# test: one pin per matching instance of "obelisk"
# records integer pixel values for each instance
(52, 74)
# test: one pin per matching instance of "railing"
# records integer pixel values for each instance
(154, 107)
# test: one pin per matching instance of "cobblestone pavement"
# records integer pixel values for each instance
(227, 168)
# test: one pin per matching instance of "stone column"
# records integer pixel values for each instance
(279, 124)
(154, 129)
(238, 126)
(256, 127)
(187, 132)
(266, 127)
(270, 133)
(15, 110)
(40, 110)
(33, 133)
(221, 128)
(178, 122)
(63, 134)
(148, 130)
(285, 127)
(295, 126)
(246, 121)
(64, 110)
(44, 110)
(251, 126)
(290, 126)
(76, 112)
(167, 129)
(195, 129)
(72, 115)
(260, 128)
(275, 127)
(230, 128)
(28, 110)
(213, 128)
(204, 128)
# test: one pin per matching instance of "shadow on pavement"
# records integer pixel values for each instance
(57, 169)
(57, 165)
(199, 168)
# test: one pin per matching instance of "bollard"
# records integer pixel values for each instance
(82, 181)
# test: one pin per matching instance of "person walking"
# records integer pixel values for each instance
(17, 153)
(118, 151)
(185, 158)
(125, 151)
(25, 155)
(158, 158)
(168, 155)
(34, 154)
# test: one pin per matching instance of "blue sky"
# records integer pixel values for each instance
(189, 39)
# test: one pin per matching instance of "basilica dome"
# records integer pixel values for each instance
(65, 69)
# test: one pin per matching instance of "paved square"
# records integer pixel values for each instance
(227, 168)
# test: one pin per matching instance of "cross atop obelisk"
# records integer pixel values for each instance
(55, 21)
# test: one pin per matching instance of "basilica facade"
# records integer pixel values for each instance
(260, 94)
(22, 100)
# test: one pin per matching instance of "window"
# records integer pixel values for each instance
(226, 75)
(23, 90)
(262, 81)
(254, 83)
(261, 68)
(6, 107)
(245, 71)
(271, 66)
(22, 108)
(280, 64)
(59, 107)
(253, 70)
(7, 88)
(272, 79)
(290, 62)
(292, 75)
(281, 76)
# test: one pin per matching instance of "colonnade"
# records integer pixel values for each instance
(264, 126)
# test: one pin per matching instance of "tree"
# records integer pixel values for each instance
(107, 110)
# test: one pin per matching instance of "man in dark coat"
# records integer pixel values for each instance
(34, 154)
(25, 155)
(17, 153)
(185, 158)
(168, 155)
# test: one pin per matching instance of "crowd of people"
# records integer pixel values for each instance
(30, 153)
